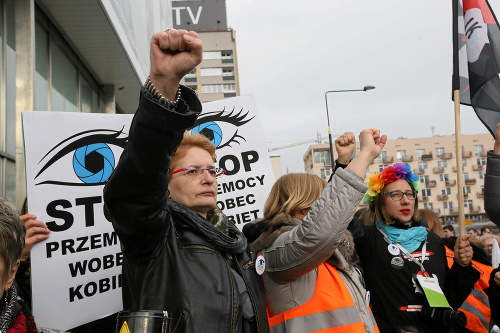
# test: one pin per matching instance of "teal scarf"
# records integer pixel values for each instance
(410, 238)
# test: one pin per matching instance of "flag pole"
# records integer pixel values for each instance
(458, 130)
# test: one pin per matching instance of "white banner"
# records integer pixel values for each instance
(76, 273)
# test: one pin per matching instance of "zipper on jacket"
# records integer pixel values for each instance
(202, 247)
(178, 322)
(235, 291)
(249, 290)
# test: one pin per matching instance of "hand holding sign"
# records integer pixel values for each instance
(174, 53)
(35, 231)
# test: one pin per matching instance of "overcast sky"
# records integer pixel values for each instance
(290, 53)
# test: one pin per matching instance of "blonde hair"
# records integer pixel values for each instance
(189, 141)
(432, 220)
(293, 192)
(377, 206)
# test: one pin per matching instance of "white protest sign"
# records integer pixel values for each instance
(234, 127)
(76, 273)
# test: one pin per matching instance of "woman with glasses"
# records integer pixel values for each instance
(404, 265)
(180, 253)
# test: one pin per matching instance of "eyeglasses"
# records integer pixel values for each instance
(398, 195)
(196, 171)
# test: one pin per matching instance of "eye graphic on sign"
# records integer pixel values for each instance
(89, 156)
(218, 125)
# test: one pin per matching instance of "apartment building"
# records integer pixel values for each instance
(217, 75)
(434, 160)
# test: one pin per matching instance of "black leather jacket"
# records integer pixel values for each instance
(492, 188)
(167, 264)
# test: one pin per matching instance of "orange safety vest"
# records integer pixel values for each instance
(477, 306)
(330, 309)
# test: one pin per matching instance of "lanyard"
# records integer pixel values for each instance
(424, 252)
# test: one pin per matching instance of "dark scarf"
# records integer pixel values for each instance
(14, 314)
(233, 241)
(262, 233)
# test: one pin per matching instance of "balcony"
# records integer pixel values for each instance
(430, 183)
(450, 182)
(427, 157)
(419, 171)
(189, 78)
(478, 167)
(408, 158)
(455, 168)
(386, 159)
(466, 154)
(483, 153)
(453, 210)
(438, 170)
(480, 194)
(442, 197)
(474, 209)
(446, 156)
(424, 199)
(471, 181)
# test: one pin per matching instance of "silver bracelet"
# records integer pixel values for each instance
(150, 89)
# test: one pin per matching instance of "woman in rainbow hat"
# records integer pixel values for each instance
(404, 265)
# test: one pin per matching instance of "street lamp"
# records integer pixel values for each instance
(328, 117)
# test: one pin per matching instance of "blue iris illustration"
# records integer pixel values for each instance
(94, 163)
(211, 130)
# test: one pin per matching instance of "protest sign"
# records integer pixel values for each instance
(76, 273)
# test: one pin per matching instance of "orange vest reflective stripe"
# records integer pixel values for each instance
(477, 306)
(330, 309)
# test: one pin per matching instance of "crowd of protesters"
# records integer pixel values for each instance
(313, 262)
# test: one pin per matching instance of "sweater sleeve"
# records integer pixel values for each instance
(299, 251)
(135, 196)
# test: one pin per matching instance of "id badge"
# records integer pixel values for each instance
(432, 291)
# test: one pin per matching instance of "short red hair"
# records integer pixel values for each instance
(189, 141)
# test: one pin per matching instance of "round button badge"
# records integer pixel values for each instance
(397, 263)
(393, 249)
(260, 265)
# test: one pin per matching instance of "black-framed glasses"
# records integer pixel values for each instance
(398, 195)
(196, 171)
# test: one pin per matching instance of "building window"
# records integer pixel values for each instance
(401, 155)
(466, 189)
(325, 173)
(466, 176)
(464, 163)
(208, 55)
(419, 153)
(382, 167)
(211, 88)
(227, 72)
(448, 205)
(441, 165)
(322, 157)
(422, 166)
(446, 191)
(382, 157)
(481, 161)
(227, 56)
(426, 192)
(231, 87)
(428, 205)
(443, 177)
(481, 175)
(424, 179)
(439, 152)
(478, 149)
(468, 203)
(211, 71)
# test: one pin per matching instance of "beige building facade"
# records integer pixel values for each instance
(217, 76)
(434, 160)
